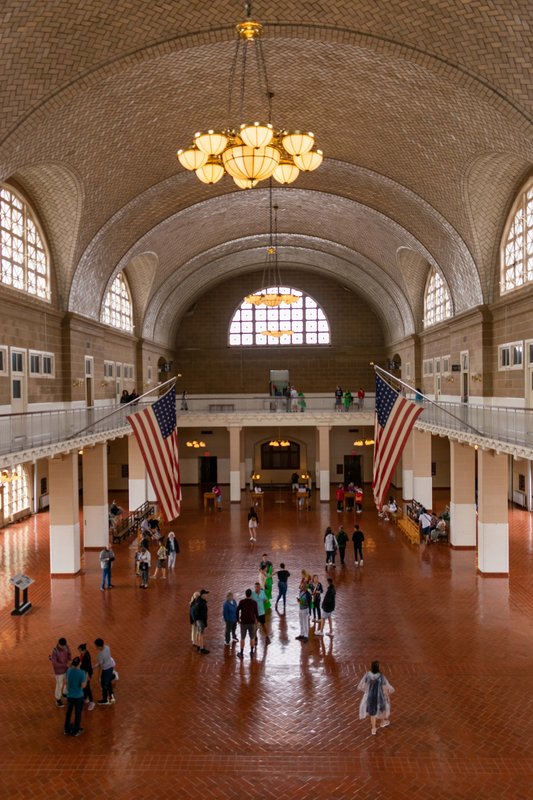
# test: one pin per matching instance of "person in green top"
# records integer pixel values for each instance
(342, 539)
(301, 401)
(347, 400)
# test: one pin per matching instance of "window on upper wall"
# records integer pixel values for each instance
(24, 262)
(437, 301)
(118, 309)
(511, 356)
(300, 323)
(517, 248)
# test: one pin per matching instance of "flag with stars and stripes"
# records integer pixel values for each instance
(394, 420)
(155, 430)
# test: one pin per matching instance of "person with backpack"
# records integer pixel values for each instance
(358, 537)
(342, 540)
(328, 607)
(330, 545)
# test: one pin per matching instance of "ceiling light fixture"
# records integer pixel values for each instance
(250, 151)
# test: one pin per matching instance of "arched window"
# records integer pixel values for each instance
(16, 491)
(517, 250)
(299, 323)
(118, 310)
(437, 301)
(23, 255)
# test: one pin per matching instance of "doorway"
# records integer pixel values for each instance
(437, 377)
(529, 374)
(207, 470)
(353, 470)
(18, 381)
(465, 376)
(89, 385)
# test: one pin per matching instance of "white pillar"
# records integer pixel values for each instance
(493, 515)
(234, 464)
(407, 470)
(323, 462)
(137, 489)
(95, 500)
(64, 515)
(463, 495)
(422, 481)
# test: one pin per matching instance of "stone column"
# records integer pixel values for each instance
(234, 464)
(422, 481)
(493, 514)
(95, 499)
(64, 515)
(407, 470)
(463, 495)
(137, 493)
(323, 461)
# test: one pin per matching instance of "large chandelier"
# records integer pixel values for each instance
(251, 151)
(274, 294)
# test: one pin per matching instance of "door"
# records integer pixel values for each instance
(89, 381)
(437, 377)
(208, 470)
(529, 374)
(118, 381)
(465, 376)
(18, 381)
(353, 470)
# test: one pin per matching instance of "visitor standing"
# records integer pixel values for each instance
(253, 522)
(376, 697)
(76, 680)
(328, 607)
(330, 545)
(361, 397)
(358, 537)
(106, 666)
(144, 561)
(338, 398)
(87, 666)
(339, 497)
(60, 658)
(200, 618)
(342, 540)
(283, 577)
(161, 563)
(304, 606)
(260, 598)
(317, 590)
(173, 549)
(107, 557)
(248, 619)
(229, 614)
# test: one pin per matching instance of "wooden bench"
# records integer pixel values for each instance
(131, 524)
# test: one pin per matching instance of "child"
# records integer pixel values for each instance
(376, 701)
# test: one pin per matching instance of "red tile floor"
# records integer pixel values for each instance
(458, 648)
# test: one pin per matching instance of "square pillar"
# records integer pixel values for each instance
(407, 469)
(234, 464)
(137, 490)
(422, 480)
(64, 515)
(463, 495)
(95, 500)
(493, 514)
(323, 462)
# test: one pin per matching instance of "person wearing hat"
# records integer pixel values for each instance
(200, 619)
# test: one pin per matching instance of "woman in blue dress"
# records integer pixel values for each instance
(376, 697)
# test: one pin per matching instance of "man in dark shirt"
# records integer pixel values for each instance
(248, 617)
(358, 537)
(283, 577)
(200, 620)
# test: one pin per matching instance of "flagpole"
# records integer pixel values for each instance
(124, 405)
(418, 393)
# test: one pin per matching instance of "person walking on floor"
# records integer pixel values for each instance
(76, 682)
(330, 545)
(161, 563)
(316, 590)
(342, 540)
(60, 658)
(259, 595)
(194, 635)
(200, 618)
(106, 667)
(87, 666)
(248, 618)
(173, 549)
(229, 614)
(253, 522)
(304, 605)
(145, 559)
(358, 537)
(283, 577)
(376, 698)
(107, 557)
(328, 607)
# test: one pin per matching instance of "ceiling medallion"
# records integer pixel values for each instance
(251, 151)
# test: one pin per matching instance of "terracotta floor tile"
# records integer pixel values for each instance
(458, 649)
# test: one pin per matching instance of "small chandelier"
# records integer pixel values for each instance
(274, 294)
(279, 443)
(252, 151)
(195, 444)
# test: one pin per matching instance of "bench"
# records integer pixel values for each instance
(132, 522)
(410, 528)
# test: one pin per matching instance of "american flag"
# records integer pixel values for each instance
(394, 420)
(155, 430)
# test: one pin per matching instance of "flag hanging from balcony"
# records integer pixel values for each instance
(394, 420)
(155, 430)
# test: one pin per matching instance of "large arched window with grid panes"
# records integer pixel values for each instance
(299, 323)
(118, 309)
(24, 261)
(517, 250)
(437, 301)
(16, 491)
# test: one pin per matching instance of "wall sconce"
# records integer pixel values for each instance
(103, 384)
(449, 379)
(195, 444)
(361, 443)
(477, 377)
(77, 382)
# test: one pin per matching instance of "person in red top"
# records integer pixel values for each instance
(248, 616)
(339, 495)
(361, 397)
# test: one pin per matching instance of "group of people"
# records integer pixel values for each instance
(128, 397)
(315, 606)
(344, 400)
(73, 678)
(354, 502)
(334, 543)
(287, 399)
(165, 554)
(432, 527)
